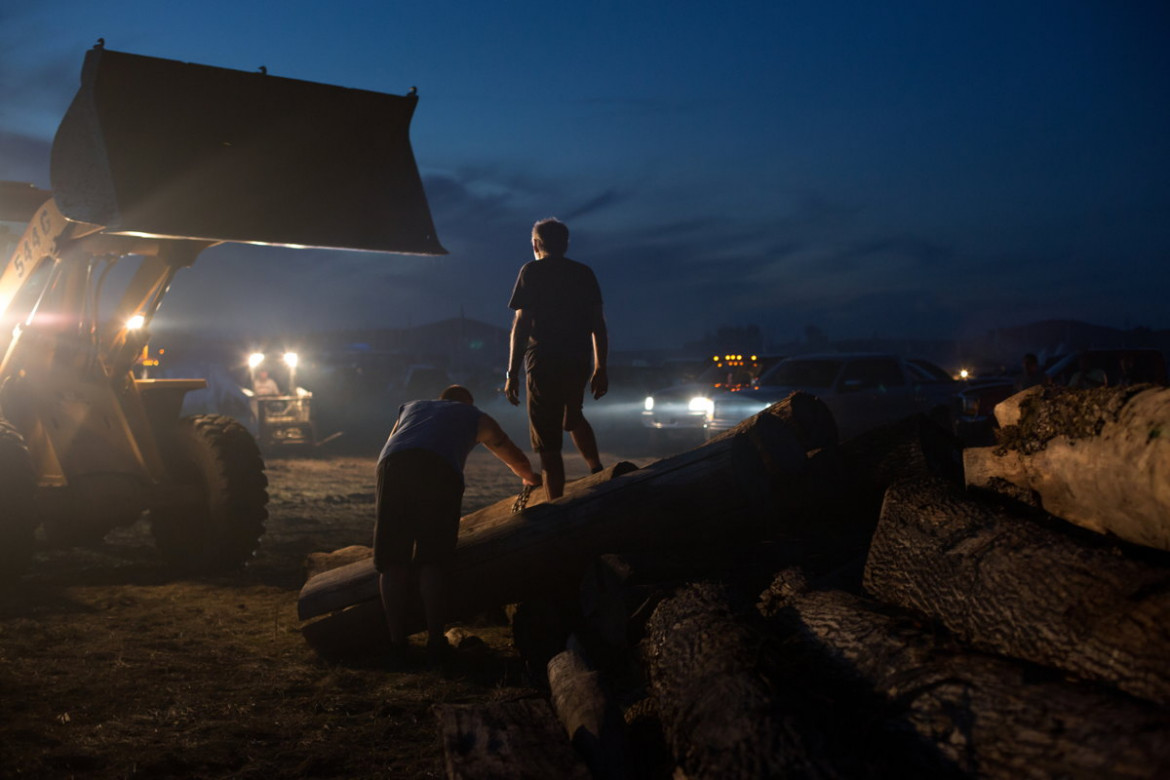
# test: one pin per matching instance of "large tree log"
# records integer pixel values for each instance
(704, 665)
(514, 739)
(358, 581)
(1013, 586)
(732, 705)
(1097, 458)
(723, 490)
(588, 712)
(990, 716)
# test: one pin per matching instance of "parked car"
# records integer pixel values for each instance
(974, 417)
(862, 390)
(684, 410)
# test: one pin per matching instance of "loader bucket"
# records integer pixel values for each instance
(164, 148)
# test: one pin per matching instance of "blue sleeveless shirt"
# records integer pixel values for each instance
(446, 428)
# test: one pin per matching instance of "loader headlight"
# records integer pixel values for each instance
(255, 359)
(136, 322)
(291, 359)
(648, 404)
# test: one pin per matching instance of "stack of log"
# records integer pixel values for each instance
(896, 606)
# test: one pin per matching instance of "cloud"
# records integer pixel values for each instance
(598, 203)
(24, 158)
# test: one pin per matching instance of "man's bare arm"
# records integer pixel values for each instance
(492, 436)
(517, 344)
(599, 383)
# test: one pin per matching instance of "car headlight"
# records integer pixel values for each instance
(648, 404)
(701, 405)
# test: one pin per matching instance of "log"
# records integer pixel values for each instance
(321, 562)
(1006, 584)
(733, 704)
(720, 491)
(1097, 458)
(588, 713)
(514, 739)
(347, 576)
(708, 681)
(989, 716)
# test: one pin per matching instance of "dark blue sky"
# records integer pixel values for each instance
(904, 168)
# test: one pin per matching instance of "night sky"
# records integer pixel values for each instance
(901, 169)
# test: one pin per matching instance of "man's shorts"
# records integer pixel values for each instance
(556, 391)
(418, 506)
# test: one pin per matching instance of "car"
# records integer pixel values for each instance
(974, 406)
(683, 410)
(862, 390)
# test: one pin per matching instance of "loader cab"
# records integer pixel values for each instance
(283, 410)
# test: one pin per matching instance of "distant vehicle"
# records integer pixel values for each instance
(862, 390)
(974, 418)
(684, 410)
(285, 419)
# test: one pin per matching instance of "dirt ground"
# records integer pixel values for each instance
(112, 666)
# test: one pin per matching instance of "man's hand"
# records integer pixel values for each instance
(534, 481)
(599, 383)
(512, 391)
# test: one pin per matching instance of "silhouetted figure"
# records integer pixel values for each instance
(559, 332)
(1032, 375)
(1126, 366)
(1087, 376)
(419, 502)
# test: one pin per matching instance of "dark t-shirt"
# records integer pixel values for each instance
(561, 295)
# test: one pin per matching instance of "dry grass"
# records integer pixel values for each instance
(110, 666)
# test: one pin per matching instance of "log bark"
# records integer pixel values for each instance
(723, 490)
(1007, 584)
(731, 704)
(1097, 458)
(515, 739)
(321, 562)
(703, 662)
(990, 716)
(588, 713)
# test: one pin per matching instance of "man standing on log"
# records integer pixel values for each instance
(559, 331)
(419, 502)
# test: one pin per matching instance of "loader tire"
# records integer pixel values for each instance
(218, 456)
(18, 519)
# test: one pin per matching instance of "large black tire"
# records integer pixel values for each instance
(220, 457)
(18, 518)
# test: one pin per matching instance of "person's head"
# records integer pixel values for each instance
(550, 238)
(457, 393)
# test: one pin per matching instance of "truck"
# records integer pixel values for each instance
(154, 162)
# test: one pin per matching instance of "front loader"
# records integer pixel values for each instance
(155, 161)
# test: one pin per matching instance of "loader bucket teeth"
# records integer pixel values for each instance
(170, 149)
